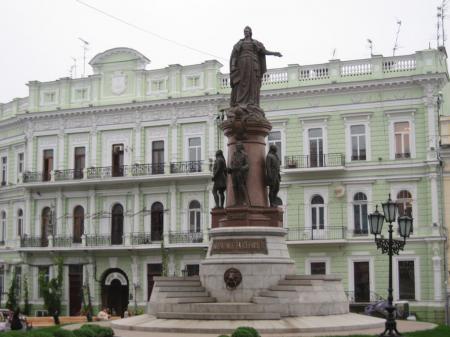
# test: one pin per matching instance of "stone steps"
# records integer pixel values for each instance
(296, 282)
(176, 278)
(200, 299)
(182, 289)
(180, 283)
(219, 316)
(283, 288)
(187, 294)
(313, 277)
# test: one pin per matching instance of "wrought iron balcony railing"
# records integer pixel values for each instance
(186, 167)
(142, 239)
(325, 160)
(32, 177)
(310, 233)
(144, 169)
(185, 237)
(33, 241)
(99, 172)
(70, 174)
(98, 240)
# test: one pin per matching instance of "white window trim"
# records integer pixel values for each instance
(41, 156)
(72, 154)
(189, 216)
(187, 198)
(49, 91)
(112, 138)
(320, 123)
(186, 145)
(88, 94)
(357, 120)
(6, 223)
(417, 280)
(395, 117)
(351, 191)
(281, 129)
(187, 76)
(412, 188)
(18, 176)
(308, 194)
(351, 271)
(308, 261)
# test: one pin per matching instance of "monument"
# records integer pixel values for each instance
(247, 273)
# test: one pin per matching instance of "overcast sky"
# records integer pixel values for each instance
(39, 38)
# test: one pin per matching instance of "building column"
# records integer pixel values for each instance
(59, 218)
(437, 277)
(174, 127)
(93, 161)
(172, 226)
(212, 137)
(60, 165)
(430, 102)
(89, 229)
(28, 205)
(137, 139)
(434, 200)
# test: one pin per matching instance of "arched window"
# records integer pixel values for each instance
(317, 212)
(360, 213)
(117, 225)
(78, 223)
(404, 202)
(3, 227)
(20, 222)
(194, 217)
(46, 225)
(157, 221)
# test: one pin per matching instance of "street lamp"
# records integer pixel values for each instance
(390, 247)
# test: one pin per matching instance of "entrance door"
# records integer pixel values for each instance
(153, 269)
(361, 281)
(47, 165)
(75, 289)
(115, 291)
(79, 162)
(157, 221)
(117, 160)
(158, 157)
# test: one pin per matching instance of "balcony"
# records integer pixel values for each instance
(185, 237)
(328, 161)
(316, 234)
(124, 172)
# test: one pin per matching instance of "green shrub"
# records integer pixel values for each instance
(84, 333)
(99, 331)
(63, 333)
(14, 334)
(244, 331)
(39, 333)
(224, 336)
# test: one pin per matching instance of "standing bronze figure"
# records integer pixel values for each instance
(247, 67)
(273, 175)
(220, 179)
(239, 172)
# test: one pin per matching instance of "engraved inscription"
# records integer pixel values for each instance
(239, 246)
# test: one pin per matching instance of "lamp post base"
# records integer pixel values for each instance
(390, 329)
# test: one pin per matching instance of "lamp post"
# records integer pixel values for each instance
(390, 246)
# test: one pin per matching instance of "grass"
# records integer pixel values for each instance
(440, 331)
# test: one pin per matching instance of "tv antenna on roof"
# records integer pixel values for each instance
(85, 48)
(440, 23)
(370, 47)
(399, 23)
(73, 68)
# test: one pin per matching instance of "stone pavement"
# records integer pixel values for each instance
(403, 326)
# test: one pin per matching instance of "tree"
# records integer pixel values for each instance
(26, 300)
(52, 290)
(13, 302)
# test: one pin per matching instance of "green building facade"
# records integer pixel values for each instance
(112, 171)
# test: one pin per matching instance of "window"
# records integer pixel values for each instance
(79, 162)
(317, 212)
(358, 141)
(315, 137)
(3, 227)
(158, 157)
(44, 271)
(158, 85)
(194, 217)
(318, 268)
(406, 280)
(117, 160)
(2, 279)
(275, 139)
(20, 222)
(192, 270)
(404, 204)
(78, 224)
(117, 225)
(4, 170)
(50, 97)
(20, 165)
(193, 82)
(195, 154)
(81, 94)
(157, 221)
(360, 213)
(402, 140)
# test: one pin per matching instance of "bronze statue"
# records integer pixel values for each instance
(239, 172)
(220, 179)
(273, 175)
(247, 67)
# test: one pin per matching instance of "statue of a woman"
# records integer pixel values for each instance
(247, 67)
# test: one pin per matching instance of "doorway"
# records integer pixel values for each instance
(47, 165)
(361, 275)
(117, 225)
(75, 289)
(117, 160)
(153, 269)
(115, 290)
(79, 162)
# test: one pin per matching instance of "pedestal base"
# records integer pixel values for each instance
(244, 216)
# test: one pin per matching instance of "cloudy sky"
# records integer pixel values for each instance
(40, 38)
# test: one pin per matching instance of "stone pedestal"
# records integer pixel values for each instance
(259, 253)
